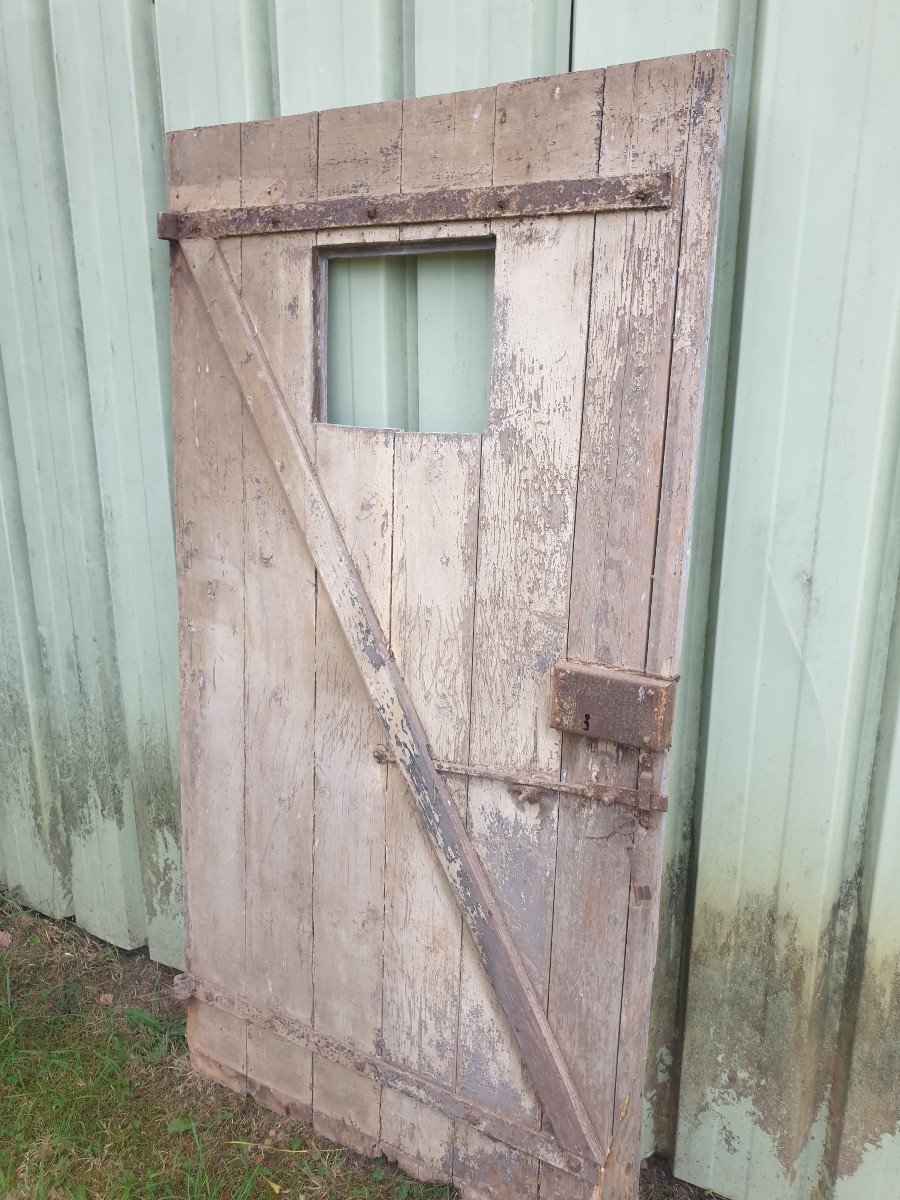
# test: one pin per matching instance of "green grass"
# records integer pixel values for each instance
(98, 1102)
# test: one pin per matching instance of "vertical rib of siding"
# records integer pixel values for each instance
(470, 44)
(864, 1151)
(215, 61)
(609, 32)
(47, 390)
(34, 847)
(805, 588)
(337, 54)
(112, 139)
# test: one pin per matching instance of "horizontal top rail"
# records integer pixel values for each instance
(605, 194)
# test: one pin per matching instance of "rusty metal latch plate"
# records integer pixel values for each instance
(626, 707)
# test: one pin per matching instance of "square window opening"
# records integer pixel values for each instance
(408, 337)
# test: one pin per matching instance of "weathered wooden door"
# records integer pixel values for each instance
(427, 678)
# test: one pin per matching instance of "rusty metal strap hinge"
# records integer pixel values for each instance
(604, 194)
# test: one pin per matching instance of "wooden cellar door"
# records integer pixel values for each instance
(427, 680)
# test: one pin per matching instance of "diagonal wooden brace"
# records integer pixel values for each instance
(408, 743)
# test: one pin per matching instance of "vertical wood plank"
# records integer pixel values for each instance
(280, 664)
(702, 182)
(645, 118)
(433, 592)
(279, 160)
(359, 150)
(207, 425)
(448, 141)
(207, 430)
(526, 520)
(690, 343)
(548, 128)
(360, 153)
(204, 168)
(356, 472)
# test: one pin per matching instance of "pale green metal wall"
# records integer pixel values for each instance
(775, 1051)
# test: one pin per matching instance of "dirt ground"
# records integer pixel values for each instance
(98, 1101)
(657, 1183)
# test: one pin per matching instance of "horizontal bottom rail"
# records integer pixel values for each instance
(600, 793)
(538, 1144)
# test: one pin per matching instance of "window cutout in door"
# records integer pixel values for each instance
(408, 339)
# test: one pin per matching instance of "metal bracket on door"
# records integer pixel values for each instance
(530, 786)
(628, 708)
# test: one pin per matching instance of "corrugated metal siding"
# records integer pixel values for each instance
(775, 1054)
(789, 966)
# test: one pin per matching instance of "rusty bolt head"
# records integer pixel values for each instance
(371, 211)
(473, 1118)
(573, 1163)
(502, 202)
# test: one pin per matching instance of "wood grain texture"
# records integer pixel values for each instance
(702, 181)
(548, 128)
(537, 198)
(279, 160)
(359, 150)
(432, 1095)
(526, 522)
(356, 470)
(276, 287)
(204, 168)
(645, 115)
(690, 344)
(210, 551)
(434, 546)
(359, 153)
(406, 736)
(368, 236)
(415, 592)
(448, 141)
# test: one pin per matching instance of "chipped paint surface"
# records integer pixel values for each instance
(801, 564)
